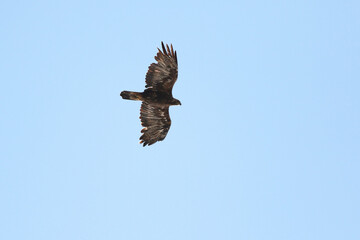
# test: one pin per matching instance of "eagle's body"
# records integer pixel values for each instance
(151, 96)
(157, 97)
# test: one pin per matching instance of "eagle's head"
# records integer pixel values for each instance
(175, 102)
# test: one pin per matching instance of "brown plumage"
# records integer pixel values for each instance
(157, 96)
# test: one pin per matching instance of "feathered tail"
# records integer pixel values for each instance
(131, 95)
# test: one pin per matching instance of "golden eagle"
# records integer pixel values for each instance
(157, 96)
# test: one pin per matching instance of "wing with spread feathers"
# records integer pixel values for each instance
(162, 75)
(156, 122)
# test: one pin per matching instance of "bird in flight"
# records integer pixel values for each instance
(157, 96)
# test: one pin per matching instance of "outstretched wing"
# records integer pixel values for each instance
(156, 122)
(162, 75)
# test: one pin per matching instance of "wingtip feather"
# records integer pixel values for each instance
(163, 47)
(168, 50)
(172, 50)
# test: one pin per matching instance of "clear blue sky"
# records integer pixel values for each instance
(266, 144)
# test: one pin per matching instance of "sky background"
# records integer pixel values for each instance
(266, 144)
